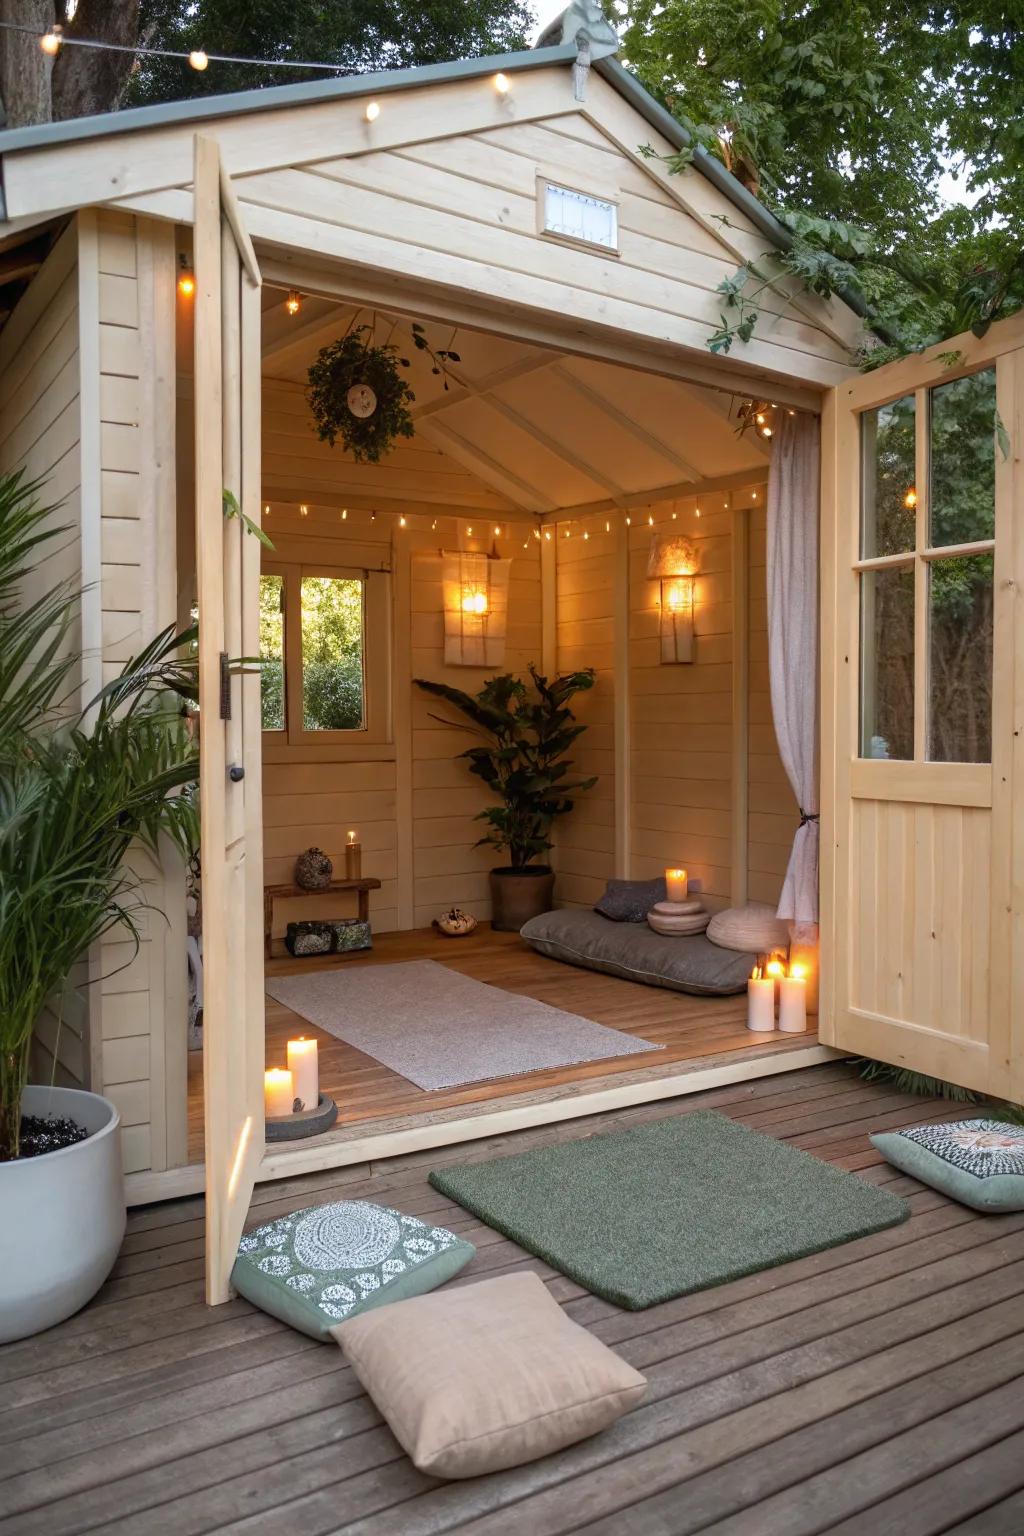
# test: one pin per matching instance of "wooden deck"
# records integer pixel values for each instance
(872, 1389)
(688, 1028)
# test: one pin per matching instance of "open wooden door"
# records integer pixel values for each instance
(227, 468)
(922, 706)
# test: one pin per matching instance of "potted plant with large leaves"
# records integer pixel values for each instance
(527, 730)
(78, 788)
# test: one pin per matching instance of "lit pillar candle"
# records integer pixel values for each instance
(353, 857)
(677, 884)
(793, 1002)
(278, 1093)
(775, 970)
(760, 1002)
(303, 1066)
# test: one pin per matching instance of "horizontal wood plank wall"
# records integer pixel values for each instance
(682, 714)
(315, 795)
(141, 1058)
(585, 584)
(40, 433)
(774, 813)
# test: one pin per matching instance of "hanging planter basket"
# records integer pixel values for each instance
(356, 392)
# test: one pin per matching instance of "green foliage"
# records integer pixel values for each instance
(358, 36)
(232, 509)
(843, 118)
(905, 1081)
(332, 652)
(77, 787)
(354, 359)
(528, 732)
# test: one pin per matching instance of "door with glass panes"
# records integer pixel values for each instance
(922, 665)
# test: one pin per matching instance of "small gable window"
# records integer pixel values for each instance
(567, 214)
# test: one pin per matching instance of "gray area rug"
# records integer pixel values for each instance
(440, 1029)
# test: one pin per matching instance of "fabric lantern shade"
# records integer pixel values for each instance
(672, 562)
(475, 609)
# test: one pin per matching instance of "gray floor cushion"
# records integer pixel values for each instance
(633, 951)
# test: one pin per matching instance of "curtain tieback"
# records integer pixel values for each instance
(806, 816)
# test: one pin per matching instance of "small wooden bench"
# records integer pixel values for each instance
(271, 893)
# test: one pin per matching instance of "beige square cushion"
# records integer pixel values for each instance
(486, 1376)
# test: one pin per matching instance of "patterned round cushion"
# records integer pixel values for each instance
(978, 1162)
(753, 928)
(318, 1266)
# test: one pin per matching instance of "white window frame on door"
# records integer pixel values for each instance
(294, 739)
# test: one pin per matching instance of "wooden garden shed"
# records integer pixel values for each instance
(518, 212)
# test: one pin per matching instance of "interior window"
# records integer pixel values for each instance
(333, 691)
(272, 651)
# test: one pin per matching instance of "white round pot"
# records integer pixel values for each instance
(62, 1216)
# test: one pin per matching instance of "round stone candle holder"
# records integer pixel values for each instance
(304, 1122)
(678, 917)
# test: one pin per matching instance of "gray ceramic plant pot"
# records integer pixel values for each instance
(63, 1216)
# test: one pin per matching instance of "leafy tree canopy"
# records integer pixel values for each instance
(843, 115)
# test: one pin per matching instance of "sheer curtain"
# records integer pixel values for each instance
(793, 492)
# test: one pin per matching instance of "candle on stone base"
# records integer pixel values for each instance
(302, 1064)
(793, 1001)
(760, 1002)
(677, 884)
(353, 857)
(278, 1093)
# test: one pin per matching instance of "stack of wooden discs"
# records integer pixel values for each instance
(677, 917)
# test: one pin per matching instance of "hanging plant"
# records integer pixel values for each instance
(357, 393)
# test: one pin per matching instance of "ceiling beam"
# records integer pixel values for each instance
(487, 469)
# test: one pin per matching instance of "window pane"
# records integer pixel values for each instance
(889, 495)
(963, 460)
(332, 653)
(960, 660)
(272, 652)
(887, 663)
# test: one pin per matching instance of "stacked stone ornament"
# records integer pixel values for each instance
(678, 917)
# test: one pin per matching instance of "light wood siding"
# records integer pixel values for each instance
(40, 433)
(418, 841)
(773, 814)
(139, 1043)
(585, 604)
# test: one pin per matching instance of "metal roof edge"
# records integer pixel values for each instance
(270, 98)
(714, 171)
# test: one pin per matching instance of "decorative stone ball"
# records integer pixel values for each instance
(313, 870)
(456, 923)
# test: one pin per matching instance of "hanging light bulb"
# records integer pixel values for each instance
(344, 514)
(536, 534)
(674, 516)
(502, 84)
(50, 42)
(607, 525)
(293, 303)
(186, 278)
(547, 534)
(497, 530)
(469, 531)
(303, 509)
(910, 499)
(568, 533)
(696, 511)
(586, 535)
(266, 510)
(650, 519)
(372, 111)
(629, 521)
(433, 525)
(373, 517)
(198, 59)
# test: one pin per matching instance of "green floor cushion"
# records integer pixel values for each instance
(318, 1266)
(978, 1162)
(681, 962)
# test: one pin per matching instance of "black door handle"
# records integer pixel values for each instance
(236, 773)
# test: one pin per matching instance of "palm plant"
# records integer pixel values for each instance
(524, 760)
(77, 786)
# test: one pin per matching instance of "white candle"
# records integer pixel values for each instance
(677, 884)
(302, 1064)
(793, 1002)
(278, 1093)
(760, 1002)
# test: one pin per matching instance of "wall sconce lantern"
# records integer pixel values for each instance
(673, 564)
(475, 609)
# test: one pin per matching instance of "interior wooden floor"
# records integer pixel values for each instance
(871, 1390)
(688, 1028)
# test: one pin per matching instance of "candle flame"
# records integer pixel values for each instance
(755, 974)
(775, 968)
(798, 971)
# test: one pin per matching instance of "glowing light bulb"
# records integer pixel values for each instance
(497, 530)
(910, 499)
(293, 303)
(433, 525)
(372, 111)
(586, 535)
(547, 534)
(50, 42)
(650, 519)
(344, 514)
(303, 509)
(401, 521)
(198, 59)
(629, 521)
(186, 282)
(469, 531)
(373, 517)
(568, 533)
(502, 84)
(607, 526)
(766, 431)
(474, 602)
(266, 510)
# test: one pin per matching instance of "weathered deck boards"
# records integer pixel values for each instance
(870, 1389)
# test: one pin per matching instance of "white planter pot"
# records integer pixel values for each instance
(62, 1216)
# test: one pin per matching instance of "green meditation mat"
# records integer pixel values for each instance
(673, 1206)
